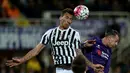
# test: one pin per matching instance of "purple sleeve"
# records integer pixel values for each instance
(106, 68)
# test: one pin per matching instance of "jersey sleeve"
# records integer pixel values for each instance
(45, 38)
(77, 41)
(106, 68)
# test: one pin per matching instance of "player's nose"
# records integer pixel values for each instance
(69, 22)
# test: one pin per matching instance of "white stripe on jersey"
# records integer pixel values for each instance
(74, 50)
(66, 34)
(56, 36)
(71, 33)
(46, 36)
(62, 53)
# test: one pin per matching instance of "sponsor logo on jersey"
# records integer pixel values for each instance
(61, 43)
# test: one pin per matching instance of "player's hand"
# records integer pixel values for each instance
(14, 62)
(90, 43)
(98, 68)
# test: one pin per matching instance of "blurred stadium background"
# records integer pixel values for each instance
(23, 22)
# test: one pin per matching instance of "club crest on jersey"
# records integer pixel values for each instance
(102, 54)
(99, 52)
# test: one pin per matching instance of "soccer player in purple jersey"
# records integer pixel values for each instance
(99, 51)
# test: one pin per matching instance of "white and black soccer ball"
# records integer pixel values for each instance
(81, 12)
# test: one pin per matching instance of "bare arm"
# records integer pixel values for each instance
(79, 52)
(29, 55)
(33, 52)
(97, 67)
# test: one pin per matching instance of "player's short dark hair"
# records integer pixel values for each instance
(67, 10)
(79, 64)
(112, 32)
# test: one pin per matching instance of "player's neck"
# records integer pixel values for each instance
(62, 28)
(83, 72)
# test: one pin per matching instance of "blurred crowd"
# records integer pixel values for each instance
(26, 12)
(35, 8)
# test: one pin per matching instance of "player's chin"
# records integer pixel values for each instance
(66, 26)
(113, 46)
(101, 72)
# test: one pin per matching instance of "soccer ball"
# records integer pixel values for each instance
(81, 12)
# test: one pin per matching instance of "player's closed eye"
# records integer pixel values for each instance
(70, 19)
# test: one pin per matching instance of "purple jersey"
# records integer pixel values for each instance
(98, 54)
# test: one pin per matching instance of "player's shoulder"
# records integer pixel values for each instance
(97, 37)
(94, 38)
(51, 29)
(76, 32)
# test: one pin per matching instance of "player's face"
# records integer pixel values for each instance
(66, 20)
(113, 41)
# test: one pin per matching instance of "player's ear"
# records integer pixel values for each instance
(60, 18)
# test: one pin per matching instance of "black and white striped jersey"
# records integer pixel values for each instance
(63, 44)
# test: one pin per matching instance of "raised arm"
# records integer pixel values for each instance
(77, 44)
(97, 67)
(79, 52)
(88, 43)
(29, 55)
(33, 52)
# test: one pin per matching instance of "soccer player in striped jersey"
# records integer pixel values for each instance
(64, 41)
